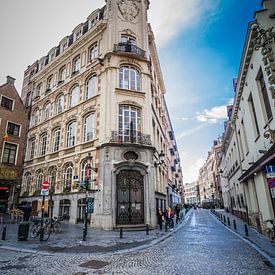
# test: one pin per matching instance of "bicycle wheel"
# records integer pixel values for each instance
(35, 230)
(47, 232)
(57, 227)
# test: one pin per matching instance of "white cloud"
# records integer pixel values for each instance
(192, 172)
(213, 115)
(170, 18)
(190, 131)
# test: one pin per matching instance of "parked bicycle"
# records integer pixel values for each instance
(54, 224)
(36, 229)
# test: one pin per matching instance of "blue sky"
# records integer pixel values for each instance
(199, 42)
(198, 66)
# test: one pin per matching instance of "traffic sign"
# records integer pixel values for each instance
(45, 192)
(90, 205)
(45, 185)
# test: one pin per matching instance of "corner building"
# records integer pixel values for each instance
(98, 114)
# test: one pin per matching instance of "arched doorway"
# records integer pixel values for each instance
(130, 197)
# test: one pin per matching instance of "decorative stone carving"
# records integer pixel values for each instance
(270, 134)
(263, 40)
(128, 9)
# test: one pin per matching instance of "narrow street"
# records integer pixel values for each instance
(201, 246)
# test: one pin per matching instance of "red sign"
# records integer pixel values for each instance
(88, 174)
(45, 185)
(271, 183)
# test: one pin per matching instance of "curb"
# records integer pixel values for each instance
(248, 241)
(123, 251)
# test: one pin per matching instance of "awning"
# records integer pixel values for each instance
(259, 164)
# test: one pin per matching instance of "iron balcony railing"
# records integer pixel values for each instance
(129, 48)
(132, 136)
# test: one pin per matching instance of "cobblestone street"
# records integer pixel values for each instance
(201, 246)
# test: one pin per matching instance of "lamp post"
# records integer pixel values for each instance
(88, 176)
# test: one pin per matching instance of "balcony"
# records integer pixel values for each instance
(132, 137)
(129, 48)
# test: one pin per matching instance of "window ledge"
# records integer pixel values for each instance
(130, 92)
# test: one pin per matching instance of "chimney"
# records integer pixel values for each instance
(10, 80)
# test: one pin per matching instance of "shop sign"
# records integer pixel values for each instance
(270, 171)
(271, 183)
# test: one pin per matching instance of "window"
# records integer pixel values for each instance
(91, 87)
(39, 179)
(93, 52)
(52, 177)
(43, 144)
(71, 131)
(28, 100)
(62, 74)
(86, 171)
(254, 116)
(128, 39)
(129, 78)
(59, 104)
(50, 83)
(47, 110)
(31, 148)
(129, 123)
(76, 64)
(9, 153)
(56, 140)
(89, 124)
(245, 137)
(74, 96)
(77, 34)
(6, 103)
(38, 89)
(52, 55)
(64, 46)
(35, 117)
(13, 129)
(264, 96)
(27, 182)
(241, 145)
(68, 176)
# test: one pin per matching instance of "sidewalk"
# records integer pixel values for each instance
(254, 236)
(70, 240)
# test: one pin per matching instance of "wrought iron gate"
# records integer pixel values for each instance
(130, 197)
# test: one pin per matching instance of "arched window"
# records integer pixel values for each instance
(62, 75)
(28, 100)
(38, 90)
(50, 82)
(31, 148)
(35, 117)
(87, 172)
(89, 127)
(43, 144)
(71, 134)
(59, 104)
(93, 52)
(129, 123)
(91, 87)
(56, 139)
(68, 177)
(47, 110)
(38, 179)
(74, 96)
(129, 78)
(76, 64)
(125, 38)
(52, 178)
(27, 183)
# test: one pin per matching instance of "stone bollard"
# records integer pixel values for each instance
(224, 219)
(4, 233)
(234, 223)
(246, 230)
(228, 221)
(121, 233)
(147, 229)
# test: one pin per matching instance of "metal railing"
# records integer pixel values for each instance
(124, 137)
(129, 48)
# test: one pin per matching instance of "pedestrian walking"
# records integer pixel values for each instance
(177, 210)
(160, 218)
(169, 215)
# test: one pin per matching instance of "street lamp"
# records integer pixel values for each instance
(161, 159)
(88, 176)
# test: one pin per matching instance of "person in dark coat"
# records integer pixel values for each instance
(27, 209)
(160, 218)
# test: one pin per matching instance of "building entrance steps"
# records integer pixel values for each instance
(259, 240)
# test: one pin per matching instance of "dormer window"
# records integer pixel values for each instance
(93, 21)
(93, 52)
(64, 46)
(76, 64)
(77, 34)
(52, 55)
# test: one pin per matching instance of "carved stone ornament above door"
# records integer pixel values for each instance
(128, 9)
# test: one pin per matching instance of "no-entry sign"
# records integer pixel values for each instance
(45, 185)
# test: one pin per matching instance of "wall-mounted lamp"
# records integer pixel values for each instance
(161, 159)
(262, 151)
